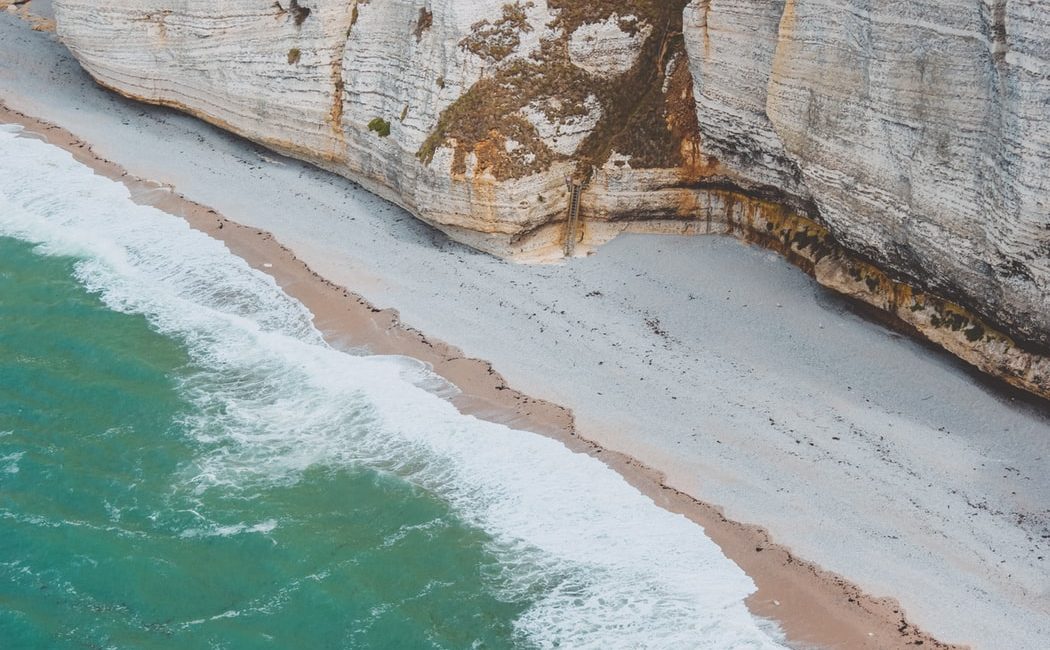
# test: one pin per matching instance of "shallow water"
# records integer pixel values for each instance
(185, 463)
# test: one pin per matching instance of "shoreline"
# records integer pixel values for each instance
(811, 605)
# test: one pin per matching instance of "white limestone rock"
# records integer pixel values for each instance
(566, 134)
(731, 46)
(918, 130)
(610, 47)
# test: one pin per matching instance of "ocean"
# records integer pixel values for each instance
(185, 462)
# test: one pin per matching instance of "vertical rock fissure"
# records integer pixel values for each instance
(572, 227)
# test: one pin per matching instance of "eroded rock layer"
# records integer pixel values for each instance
(912, 136)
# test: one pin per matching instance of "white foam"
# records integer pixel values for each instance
(604, 566)
(9, 463)
(262, 527)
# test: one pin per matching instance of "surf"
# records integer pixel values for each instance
(598, 562)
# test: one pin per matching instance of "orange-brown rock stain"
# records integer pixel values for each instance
(483, 198)
(335, 114)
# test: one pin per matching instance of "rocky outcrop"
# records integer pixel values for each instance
(907, 135)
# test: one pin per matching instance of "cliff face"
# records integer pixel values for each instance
(919, 130)
(469, 114)
(900, 153)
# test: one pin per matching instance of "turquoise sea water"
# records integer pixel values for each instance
(185, 463)
(106, 543)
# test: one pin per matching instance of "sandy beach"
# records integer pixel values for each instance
(706, 371)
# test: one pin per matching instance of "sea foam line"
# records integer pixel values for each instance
(602, 564)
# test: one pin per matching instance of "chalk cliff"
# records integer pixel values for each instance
(919, 130)
(469, 114)
(899, 152)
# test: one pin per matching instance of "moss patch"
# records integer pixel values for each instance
(380, 126)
